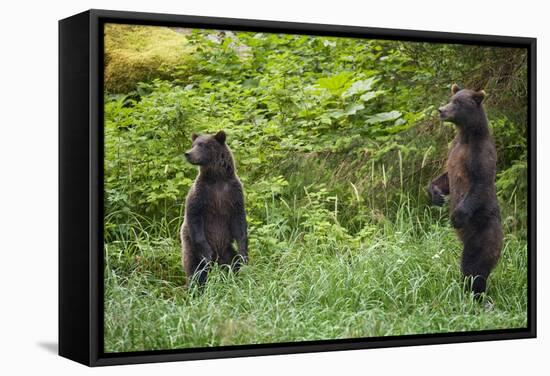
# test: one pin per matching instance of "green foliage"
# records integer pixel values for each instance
(335, 140)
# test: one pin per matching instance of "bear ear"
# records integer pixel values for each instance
(479, 96)
(220, 137)
(194, 136)
(455, 89)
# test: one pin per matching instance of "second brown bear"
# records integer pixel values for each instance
(469, 179)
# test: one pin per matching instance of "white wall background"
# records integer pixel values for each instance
(28, 186)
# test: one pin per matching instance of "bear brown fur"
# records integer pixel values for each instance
(470, 181)
(214, 210)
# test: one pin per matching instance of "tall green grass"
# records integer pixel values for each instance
(309, 278)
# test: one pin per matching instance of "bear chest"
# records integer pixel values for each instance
(459, 182)
(218, 202)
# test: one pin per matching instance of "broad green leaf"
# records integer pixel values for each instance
(337, 83)
(369, 95)
(383, 116)
(353, 108)
(337, 114)
(325, 119)
(359, 87)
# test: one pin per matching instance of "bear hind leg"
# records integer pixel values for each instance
(479, 257)
(475, 273)
(230, 258)
(196, 268)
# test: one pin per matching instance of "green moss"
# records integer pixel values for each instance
(141, 53)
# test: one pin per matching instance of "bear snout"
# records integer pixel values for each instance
(442, 113)
(189, 157)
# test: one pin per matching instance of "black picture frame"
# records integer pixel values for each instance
(81, 183)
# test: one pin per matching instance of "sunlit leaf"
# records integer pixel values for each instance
(369, 95)
(383, 116)
(353, 108)
(337, 83)
(359, 87)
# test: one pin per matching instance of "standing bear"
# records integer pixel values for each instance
(214, 210)
(470, 181)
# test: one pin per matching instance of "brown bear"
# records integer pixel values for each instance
(470, 181)
(214, 210)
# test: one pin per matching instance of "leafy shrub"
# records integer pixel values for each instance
(354, 113)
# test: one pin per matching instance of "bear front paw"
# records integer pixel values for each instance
(459, 218)
(438, 199)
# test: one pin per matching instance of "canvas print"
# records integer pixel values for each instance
(264, 188)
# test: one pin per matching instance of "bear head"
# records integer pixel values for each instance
(206, 149)
(464, 108)
(211, 154)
